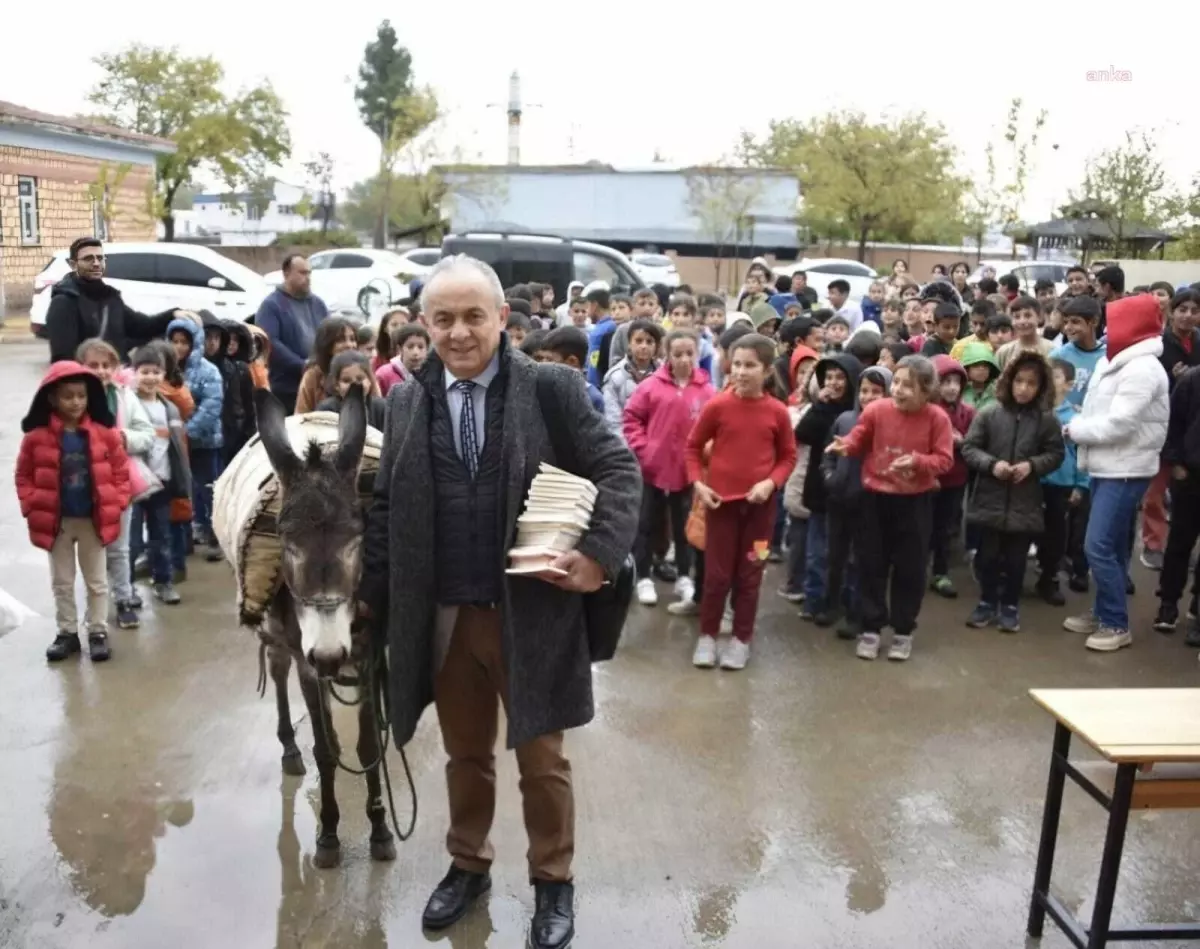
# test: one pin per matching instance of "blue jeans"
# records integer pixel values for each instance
(206, 468)
(1110, 526)
(816, 565)
(153, 516)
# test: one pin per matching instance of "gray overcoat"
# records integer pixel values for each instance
(545, 641)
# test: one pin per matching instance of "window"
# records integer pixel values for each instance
(653, 260)
(848, 269)
(27, 210)
(252, 213)
(131, 267)
(589, 267)
(185, 272)
(426, 258)
(350, 262)
(320, 261)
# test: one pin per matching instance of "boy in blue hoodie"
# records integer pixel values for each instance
(843, 487)
(1065, 496)
(205, 438)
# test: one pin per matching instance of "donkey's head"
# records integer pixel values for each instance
(320, 527)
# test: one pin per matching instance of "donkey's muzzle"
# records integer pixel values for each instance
(328, 663)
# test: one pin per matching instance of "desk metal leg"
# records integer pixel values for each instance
(1110, 863)
(1050, 816)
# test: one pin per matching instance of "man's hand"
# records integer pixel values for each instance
(761, 492)
(837, 446)
(1179, 473)
(1179, 369)
(1001, 471)
(708, 497)
(584, 575)
(1019, 472)
(1076, 498)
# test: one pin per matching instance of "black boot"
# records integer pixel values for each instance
(665, 571)
(1167, 617)
(456, 894)
(554, 917)
(849, 628)
(98, 648)
(65, 644)
(1079, 583)
(827, 616)
(1047, 588)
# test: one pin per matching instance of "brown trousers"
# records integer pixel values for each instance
(467, 690)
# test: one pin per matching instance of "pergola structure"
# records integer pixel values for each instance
(1089, 234)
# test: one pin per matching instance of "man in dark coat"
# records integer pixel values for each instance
(465, 438)
(83, 306)
(290, 317)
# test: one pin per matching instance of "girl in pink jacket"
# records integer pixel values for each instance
(658, 418)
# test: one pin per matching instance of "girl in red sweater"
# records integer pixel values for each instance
(73, 485)
(906, 444)
(753, 453)
(656, 423)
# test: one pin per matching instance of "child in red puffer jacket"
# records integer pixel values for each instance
(948, 501)
(73, 485)
(658, 418)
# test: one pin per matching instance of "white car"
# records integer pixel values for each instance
(358, 280)
(655, 268)
(1029, 272)
(156, 277)
(822, 271)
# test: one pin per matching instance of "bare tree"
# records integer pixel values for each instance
(722, 198)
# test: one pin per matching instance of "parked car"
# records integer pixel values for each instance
(522, 258)
(420, 260)
(359, 280)
(1029, 272)
(822, 271)
(655, 268)
(156, 277)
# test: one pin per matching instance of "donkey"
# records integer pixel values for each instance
(310, 619)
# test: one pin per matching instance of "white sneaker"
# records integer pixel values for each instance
(735, 655)
(1083, 623)
(705, 656)
(868, 646)
(727, 622)
(685, 589)
(683, 608)
(1107, 639)
(646, 593)
(900, 649)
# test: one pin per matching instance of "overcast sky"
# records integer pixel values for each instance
(618, 81)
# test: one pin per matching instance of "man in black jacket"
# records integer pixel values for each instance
(83, 306)
(464, 439)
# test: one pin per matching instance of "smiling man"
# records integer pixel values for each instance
(465, 438)
(83, 306)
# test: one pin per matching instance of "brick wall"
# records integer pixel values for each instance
(64, 212)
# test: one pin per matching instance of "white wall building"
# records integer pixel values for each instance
(236, 223)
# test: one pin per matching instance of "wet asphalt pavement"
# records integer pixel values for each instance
(812, 800)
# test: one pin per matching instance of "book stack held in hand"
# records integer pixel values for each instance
(557, 512)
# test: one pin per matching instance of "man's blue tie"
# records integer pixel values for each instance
(466, 427)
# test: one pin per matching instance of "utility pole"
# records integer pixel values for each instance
(515, 109)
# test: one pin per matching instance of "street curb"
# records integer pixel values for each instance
(18, 339)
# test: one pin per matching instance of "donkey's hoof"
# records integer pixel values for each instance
(327, 856)
(384, 849)
(293, 764)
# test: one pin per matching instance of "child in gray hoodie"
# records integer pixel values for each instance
(843, 487)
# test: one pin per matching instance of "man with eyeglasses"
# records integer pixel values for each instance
(83, 306)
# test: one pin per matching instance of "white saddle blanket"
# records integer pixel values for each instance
(246, 502)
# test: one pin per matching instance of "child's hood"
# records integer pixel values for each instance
(211, 323)
(781, 301)
(1131, 321)
(799, 354)
(946, 366)
(975, 353)
(40, 410)
(1027, 359)
(236, 329)
(878, 374)
(264, 341)
(197, 334)
(850, 366)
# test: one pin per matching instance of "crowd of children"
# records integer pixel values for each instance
(860, 442)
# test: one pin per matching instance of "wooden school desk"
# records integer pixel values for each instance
(1150, 739)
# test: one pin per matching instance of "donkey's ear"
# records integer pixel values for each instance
(352, 431)
(272, 430)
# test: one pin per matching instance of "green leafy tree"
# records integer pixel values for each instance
(864, 180)
(1184, 214)
(1127, 187)
(161, 92)
(103, 192)
(320, 174)
(384, 93)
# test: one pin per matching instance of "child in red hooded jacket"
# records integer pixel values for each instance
(73, 485)
(948, 501)
(657, 420)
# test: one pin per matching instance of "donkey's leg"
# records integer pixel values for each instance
(325, 751)
(281, 665)
(383, 846)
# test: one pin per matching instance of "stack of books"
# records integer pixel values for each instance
(557, 512)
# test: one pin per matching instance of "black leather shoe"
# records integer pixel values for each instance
(554, 917)
(452, 898)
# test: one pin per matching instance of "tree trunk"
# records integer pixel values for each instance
(168, 223)
(863, 233)
(381, 223)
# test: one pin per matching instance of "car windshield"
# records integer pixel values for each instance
(653, 260)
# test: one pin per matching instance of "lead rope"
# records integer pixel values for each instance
(371, 689)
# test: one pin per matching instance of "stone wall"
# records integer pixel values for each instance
(64, 212)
